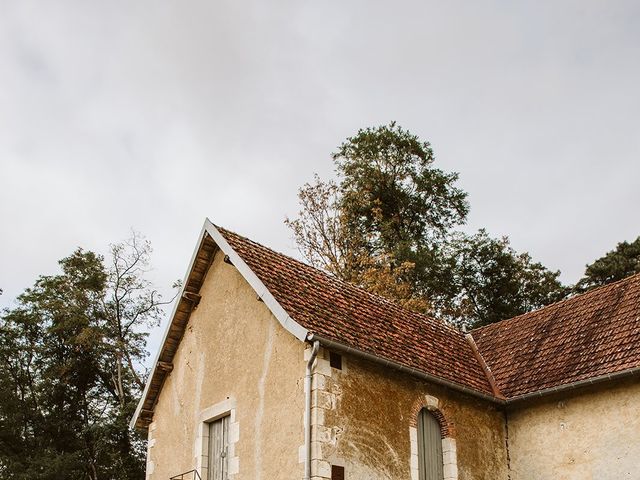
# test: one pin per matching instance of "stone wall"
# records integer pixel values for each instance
(234, 359)
(364, 420)
(593, 435)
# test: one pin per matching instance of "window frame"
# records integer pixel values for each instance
(226, 408)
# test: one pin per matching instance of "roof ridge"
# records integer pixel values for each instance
(334, 278)
(582, 295)
(485, 367)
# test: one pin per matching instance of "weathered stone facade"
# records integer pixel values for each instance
(233, 352)
(365, 419)
(240, 356)
(589, 435)
(236, 359)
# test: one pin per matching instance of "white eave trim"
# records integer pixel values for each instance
(176, 302)
(252, 279)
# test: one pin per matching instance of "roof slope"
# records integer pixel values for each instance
(587, 337)
(583, 337)
(344, 313)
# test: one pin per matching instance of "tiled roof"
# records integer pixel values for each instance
(583, 337)
(344, 313)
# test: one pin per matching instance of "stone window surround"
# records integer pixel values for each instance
(449, 453)
(209, 414)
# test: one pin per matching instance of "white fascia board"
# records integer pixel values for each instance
(252, 279)
(176, 302)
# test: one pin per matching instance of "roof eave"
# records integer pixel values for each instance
(610, 377)
(332, 344)
(145, 392)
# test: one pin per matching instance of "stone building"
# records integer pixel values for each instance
(271, 369)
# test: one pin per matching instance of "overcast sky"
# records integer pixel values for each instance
(154, 114)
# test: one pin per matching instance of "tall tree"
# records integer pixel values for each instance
(392, 196)
(68, 361)
(491, 281)
(615, 265)
(51, 351)
(131, 307)
(388, 224)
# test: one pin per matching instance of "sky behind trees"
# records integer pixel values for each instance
(155, 114)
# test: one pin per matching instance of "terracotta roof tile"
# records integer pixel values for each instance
(587, 336)
(347, 314)
(583, 337)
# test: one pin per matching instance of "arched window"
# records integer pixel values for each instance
(430, 461)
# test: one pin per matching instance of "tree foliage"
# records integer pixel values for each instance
(492, 282)
(320, 232)
(388, 224)
(326, 243)
(69, 352)
(615, 265)
(392, 196)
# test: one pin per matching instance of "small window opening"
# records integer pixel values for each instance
(335, 360)
(337, 473)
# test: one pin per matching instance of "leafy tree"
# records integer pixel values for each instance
(327, 244)
(388, 224)
(379, 225)
(492, 282)
(613, 266)
(68, 357)
(320, 232)
(392, 196)
(51, 351)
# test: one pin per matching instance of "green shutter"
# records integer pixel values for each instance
(429, 447)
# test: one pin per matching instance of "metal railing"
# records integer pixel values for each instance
(190, 475)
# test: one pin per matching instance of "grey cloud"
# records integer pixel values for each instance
(155, 114)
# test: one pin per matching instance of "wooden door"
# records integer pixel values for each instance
(429, 447)
(218, 449)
